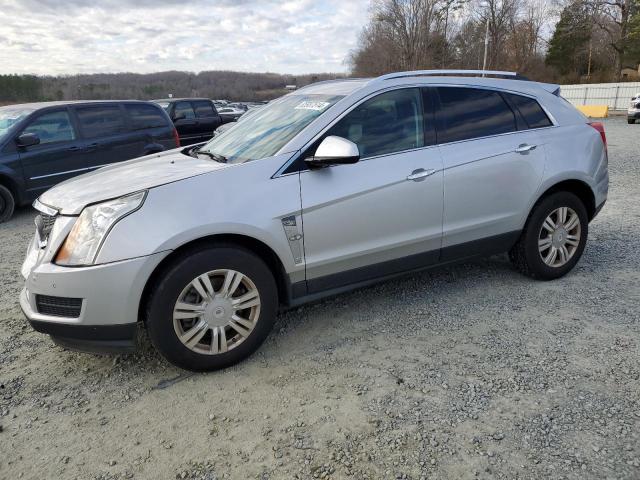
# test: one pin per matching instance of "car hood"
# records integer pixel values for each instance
(71, 196)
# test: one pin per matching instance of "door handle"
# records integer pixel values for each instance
(91, 147)
(524, 148)
(420, 174)
(75, 148)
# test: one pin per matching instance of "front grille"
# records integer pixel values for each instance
(44, 224)
(59, 306)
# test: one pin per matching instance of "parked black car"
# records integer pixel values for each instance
(194, 118)
(42, 144)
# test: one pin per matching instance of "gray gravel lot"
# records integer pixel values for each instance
(470, 371)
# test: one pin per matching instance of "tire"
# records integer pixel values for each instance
(526, 254)
(631, 121)
(176, 283)
(7, 204)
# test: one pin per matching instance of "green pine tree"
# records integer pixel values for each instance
(569, 44)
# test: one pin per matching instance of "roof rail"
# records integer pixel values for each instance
(475, 73)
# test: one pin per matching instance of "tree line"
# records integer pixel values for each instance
(228, 85)
(569, 42)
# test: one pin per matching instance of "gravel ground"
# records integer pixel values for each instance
(470, 371)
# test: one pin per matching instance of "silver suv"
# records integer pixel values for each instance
(334, 186)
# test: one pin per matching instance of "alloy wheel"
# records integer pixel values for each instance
(559, 237)
(216, 311)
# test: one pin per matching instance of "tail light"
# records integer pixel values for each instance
(176, 137)
(600, 128)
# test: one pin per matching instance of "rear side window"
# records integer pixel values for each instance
(203, 109)
(391, 122)
(184, 108)
(145, 116)
(471, 113)
(531, 111)
(52, 127)
(100, 121)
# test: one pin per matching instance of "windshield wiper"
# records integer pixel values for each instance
(213, 156)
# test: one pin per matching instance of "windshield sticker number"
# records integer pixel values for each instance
(317, 106)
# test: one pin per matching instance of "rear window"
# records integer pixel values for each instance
(531, 111)
(145, 116)
(100, 121)
(472, 112)
(203, 109)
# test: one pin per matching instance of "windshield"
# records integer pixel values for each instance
(9, 116)
(267, 130)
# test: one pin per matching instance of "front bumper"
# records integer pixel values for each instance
(110, 298)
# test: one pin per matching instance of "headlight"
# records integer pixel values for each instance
(92, 226)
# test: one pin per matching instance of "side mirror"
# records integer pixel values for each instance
(28, 140)
(334, 151)
(180, 116)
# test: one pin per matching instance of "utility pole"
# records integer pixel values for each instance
(486, 45)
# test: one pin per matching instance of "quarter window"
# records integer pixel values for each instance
(184, 108)
(100, 121)
(203, 109)
(531, 111)
(145, 116)
(471, 113)
(390, 122)
(52, 127)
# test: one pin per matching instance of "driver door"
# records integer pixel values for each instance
(382, 215)
(57, 157)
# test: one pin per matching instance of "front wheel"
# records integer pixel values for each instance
(553, 239)
(212, 308)
(631, 121)
(7, 204)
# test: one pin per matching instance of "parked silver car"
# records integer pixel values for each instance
(331, 187)
(633, 112)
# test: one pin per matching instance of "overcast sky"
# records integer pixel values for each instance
(78, 36)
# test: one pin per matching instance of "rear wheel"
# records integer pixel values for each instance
(631, 120)
(7, 204)
(212, 308)
(554, 237)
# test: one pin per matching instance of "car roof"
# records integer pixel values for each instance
(181, 99)
(490, 79)
(38, 105)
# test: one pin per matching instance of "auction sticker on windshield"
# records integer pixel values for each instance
(307, 105)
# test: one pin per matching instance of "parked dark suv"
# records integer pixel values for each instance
(194, 118)
(42, 144)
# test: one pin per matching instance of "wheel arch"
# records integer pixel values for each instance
(12, 185)
(579, 188)
(261, 249)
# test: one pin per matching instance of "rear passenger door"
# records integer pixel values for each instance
(57, 157)
(493, 166)
(206, 117)
(107, 137)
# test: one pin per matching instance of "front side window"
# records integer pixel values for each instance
(145, 116)
(9, 116)
(100, 121)
(390, 122)
(266, 131)
(185, 110)
(471, 113)
(203, 109)
(52, 127)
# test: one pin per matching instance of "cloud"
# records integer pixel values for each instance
(79, 36)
